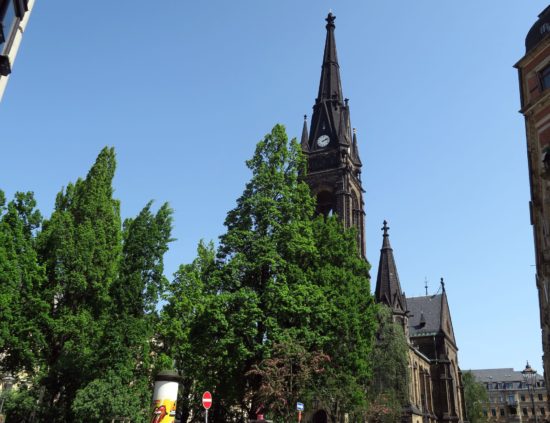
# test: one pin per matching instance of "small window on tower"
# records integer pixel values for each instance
(545, 77)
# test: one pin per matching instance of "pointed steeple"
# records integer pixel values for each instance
(334, 170)
(388, 289)
(330, 86)
(330, 116)
(305, 136)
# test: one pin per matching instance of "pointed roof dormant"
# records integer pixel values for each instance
(388, 289)
(330, 86)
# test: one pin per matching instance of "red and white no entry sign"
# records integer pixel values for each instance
(207, 400)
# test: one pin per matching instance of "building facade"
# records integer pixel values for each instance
(534, 80)
(14, 15)
(509, 396)
(334, 176)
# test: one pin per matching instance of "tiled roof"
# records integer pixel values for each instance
(499, 375)
(425, 314)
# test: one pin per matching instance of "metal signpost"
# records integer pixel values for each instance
(300, 408)
(206, 403)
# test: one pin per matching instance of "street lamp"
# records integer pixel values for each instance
(530, 378)
(7, 384)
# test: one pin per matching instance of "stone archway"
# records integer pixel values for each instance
(320, 416)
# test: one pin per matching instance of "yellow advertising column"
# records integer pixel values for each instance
(165, 397)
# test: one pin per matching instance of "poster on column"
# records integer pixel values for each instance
(164, 402)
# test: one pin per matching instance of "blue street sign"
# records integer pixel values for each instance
(299, 406)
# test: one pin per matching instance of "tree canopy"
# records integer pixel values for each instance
(280, 276)
(279, 311)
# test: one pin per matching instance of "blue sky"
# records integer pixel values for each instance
(183, 90)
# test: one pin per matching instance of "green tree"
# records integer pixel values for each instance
(279, 273)
(126, 353)
(22, 307)
(475, 396)
(388, 389)
(80, 246)
(346, 321)
(186, 300)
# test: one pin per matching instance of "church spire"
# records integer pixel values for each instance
(334, 167)
(388, 289)
(330, 121)
(330, 86)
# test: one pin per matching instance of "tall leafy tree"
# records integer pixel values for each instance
(346, 322)
(279, 274)
(79, 301)
(23, 311)
(81, 248)
(126, 353)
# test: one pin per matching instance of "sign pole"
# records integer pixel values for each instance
(206, 403)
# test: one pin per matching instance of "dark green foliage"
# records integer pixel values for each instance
(98, 287)
(23, 310)
(388, 389)
(475, 396)
(113, 395)
(124, 390)
(346, 322)
(279, 275)
(81, 247)
(390, 354)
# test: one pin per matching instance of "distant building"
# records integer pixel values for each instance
(14, 15)
(509, 397)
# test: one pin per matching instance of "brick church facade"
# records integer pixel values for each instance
(334, 175)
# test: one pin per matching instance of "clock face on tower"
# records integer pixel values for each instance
(323, 141)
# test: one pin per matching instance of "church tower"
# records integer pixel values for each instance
(334, 167)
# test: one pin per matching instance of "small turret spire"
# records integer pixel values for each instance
(355, 149)
(305, 137)
(388, 288)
